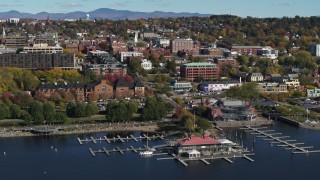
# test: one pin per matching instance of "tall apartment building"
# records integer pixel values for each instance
(193, 71)
(186, 45)
(315, 49)
(38, 61)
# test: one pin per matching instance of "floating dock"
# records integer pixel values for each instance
(280, 140)
(121, 139)
(204, 159)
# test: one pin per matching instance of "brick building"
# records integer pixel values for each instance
(108, 69)
(47, 89)
(99, 90)
(193, 71)
(185, 45)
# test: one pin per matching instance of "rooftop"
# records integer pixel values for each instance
(199, 64)
(195, 140)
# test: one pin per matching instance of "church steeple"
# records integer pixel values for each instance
(3, 32)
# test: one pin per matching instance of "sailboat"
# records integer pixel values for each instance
(147, 152)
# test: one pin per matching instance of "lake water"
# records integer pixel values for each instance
(33, 158)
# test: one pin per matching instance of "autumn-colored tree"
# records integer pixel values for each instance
(55, 97)
(7, 96)
(111, 77)
(69, 97)
(40, 96)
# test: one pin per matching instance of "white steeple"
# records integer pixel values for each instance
(3, 32)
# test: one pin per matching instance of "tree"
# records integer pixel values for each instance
(121, 111)
(70, 109)
(26, 117)
(24, 100)
(69, 97)
(60, 117)
(80, 110)
(15, 111)
(132, 107)
(111, 111)
(248, 92)
(6, 110)
(49, 111)
(36, 111)
(171, 66)
(91, 109)
(203, 123)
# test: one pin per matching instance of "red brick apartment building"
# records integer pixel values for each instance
(192, 71)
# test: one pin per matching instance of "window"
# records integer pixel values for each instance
(103, 89)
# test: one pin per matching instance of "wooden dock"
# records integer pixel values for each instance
(274, 139)
(121, 151)
(119, 138)
(205, 159)
(227, 159)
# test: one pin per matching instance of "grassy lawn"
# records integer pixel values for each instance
(298, 118)
(86, 119)
(11, 122)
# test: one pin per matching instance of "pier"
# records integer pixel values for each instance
(119, 150)
(280, 140)
(204, 159)
(119, 138)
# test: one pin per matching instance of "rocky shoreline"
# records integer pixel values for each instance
(84, 129)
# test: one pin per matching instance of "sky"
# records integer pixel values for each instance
(243, 8)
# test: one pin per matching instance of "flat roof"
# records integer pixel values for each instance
(200, 64)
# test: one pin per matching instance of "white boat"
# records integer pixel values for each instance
(146, 153)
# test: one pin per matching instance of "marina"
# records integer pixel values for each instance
(206, 149)
(79, 161)
(281, 141)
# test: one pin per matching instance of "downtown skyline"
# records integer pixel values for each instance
(244, 8)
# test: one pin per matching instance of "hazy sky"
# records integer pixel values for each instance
(256, 8)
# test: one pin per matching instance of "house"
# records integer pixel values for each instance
(146, 64)
(312, 93)
(292, 80)
(255, 77)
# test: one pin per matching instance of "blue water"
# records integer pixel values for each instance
(33, 158)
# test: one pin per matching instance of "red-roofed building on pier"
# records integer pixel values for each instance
(205, 145)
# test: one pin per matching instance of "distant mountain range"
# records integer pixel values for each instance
(102, 13)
